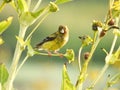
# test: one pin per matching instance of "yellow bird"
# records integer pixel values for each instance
(55, 41)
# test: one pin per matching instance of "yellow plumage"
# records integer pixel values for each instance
(55, 41)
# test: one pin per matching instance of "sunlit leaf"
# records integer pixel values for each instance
(111, 59)
(21, 42)
(31, 51)
(21, 6)
(7, 1)
(3, 74)
(113, 80)
(66, 83)
(1, 41)
(70, 55)
(62, 1)
(28, 18)
(116, 8)
(4, 24)
(53, 7)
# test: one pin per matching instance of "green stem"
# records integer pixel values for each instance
(85, 65)
(22, 63)
(28, 37)
(46, 54)
(100, 75)
(79, 57)
(37, 5)
(16, 58)
(107, 64)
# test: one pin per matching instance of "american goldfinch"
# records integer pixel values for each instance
(55, 41)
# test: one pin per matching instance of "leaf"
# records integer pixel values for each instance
(30, 51)
(66, 83)
(3, 74)
(70, 55)
(28, 18)
(5, 24)
(21, 42)
(1, 41)
(113, 80)
(62, 1)
(53, 7)
(111, 59)
(7, 1)
(21, 6)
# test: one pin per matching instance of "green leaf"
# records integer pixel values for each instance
(1, 41)
(66, 83)
(70, 55)
(111, 59)
(62, 1)
(7, 1)
(30, 51)
(53, 7)
(113, 80)
(3, 74)
(5, 24)
(21, 6)
(27, 18)
(21, 42)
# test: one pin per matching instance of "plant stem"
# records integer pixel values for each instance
(22, 63)
(37, 26)
(85, 65)
(16, 58)
(100, 75)
(37, 5)
(107, 64)
(79, 57)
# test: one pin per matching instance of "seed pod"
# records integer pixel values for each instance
(111, 22)
(86, 55)
(102, 33)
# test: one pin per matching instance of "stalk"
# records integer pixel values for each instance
(16, 58)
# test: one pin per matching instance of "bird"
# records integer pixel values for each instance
(54, 42)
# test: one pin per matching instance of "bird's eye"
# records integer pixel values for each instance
(62, 31)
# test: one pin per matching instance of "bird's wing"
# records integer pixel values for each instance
(49, 38)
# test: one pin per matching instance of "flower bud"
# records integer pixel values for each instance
(95, 25)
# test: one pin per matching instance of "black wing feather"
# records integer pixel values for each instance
(49, 38)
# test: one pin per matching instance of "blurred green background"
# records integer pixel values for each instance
(45, 73)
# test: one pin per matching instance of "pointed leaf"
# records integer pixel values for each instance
(21, 6)
(3, 74)
(1, 41)
(62, 1)
(70, 55)
(7, 1)
(21, 42)
(27, 18)
(31, 51)
(53, 7)
(4, 24)
(66, 83)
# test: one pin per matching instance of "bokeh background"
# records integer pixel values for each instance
(45, 73)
